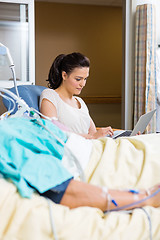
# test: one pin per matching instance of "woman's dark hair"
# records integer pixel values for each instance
(65, 63)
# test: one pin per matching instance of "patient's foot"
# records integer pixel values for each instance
(154, 192)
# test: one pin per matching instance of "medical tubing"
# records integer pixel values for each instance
(21, 102)
(12, 67)
(36, 111)
(134, 191)
(109, 198)
(149, 221)
(134, 203)
(51, 220)
(17, 99)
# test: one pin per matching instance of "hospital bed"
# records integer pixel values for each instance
(110, 163)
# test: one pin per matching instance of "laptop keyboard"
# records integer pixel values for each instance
(124, 134)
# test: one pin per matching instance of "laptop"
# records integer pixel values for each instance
(139, 127)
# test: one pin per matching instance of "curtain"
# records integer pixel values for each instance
(145, 91)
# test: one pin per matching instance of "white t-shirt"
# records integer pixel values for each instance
(76, 119)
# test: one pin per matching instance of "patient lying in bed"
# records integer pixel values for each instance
(33, 155)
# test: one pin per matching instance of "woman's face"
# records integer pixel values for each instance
(76, 80)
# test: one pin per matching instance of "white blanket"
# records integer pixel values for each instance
(120, 163)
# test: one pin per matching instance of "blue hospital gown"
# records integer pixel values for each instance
(30, 156)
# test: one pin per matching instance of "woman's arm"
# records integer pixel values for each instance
(48, 109)
(101, 132)
(92, 128)
(82, 194)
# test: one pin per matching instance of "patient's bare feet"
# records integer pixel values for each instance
(155, 200)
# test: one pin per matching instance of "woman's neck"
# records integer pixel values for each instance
(67, 97)
(64, 94)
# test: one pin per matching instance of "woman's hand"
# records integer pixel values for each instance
(102, 132)
(139, 133)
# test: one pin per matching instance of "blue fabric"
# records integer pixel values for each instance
(31, 156)
(56, 193)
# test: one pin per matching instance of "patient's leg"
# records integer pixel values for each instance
(82, 194)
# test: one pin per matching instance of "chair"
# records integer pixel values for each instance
(29, 93)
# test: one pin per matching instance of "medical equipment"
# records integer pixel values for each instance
(22, 106)
(128, 205)
(5, 52)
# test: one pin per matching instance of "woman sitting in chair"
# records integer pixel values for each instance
(67, 77)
